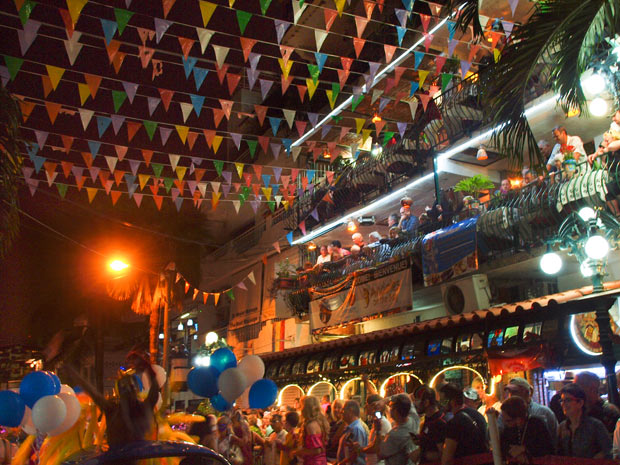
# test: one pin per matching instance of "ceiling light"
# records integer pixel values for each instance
(376, 149)
(551, 262)
(326, 154)
(597, 247)
(587, 213)
(180, 327)
(598, 107)
(311, 246)
(482, 154)
(190, 322)
(593, 84)
(376, 118)
(351, 226)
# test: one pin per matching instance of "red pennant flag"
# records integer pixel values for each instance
(246, 45)
(263, 141)
(147, 155)
(132, 128)
(439, 62)
(302, 92)
(186, 45)
(118, 176)
(424, 98)
(66, 19)
(191, 139)
(66, 168)
(426, 19)
(369, 7)
(166, 97)
(389, 52)
(261, 112)
(167, 5)
(248, 179)
(221, 72)
(346, 63)
(330, 16)
(67, 142)
(88, 159)
(209, 136)
(233, 82)
(301, 127)
(302, 226)
(115, 195)
(328, 198)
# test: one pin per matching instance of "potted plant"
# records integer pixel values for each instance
(286, 277)
(474, 187)
(569, 164)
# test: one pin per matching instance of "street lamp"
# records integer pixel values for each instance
(118, 265)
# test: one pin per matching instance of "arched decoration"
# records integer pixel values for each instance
(343, 389)
(288, 394)
(462, 367)
(323, 388)
(385, 384)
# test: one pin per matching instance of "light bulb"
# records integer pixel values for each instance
(161, 335)
(211, 338)
(376, 149)
(190, 322)
(482, 154)
(594, 84)
(597, 247)
(195, 337)
(551, 263)
(586, 270)
(180, 327)
(587, 213)
(598, 107)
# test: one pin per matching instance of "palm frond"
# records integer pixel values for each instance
(469, 15)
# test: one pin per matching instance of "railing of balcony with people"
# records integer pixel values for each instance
(515, 220)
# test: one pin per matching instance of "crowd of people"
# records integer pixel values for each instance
(428, 426)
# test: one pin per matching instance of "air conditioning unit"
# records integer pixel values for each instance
(467, 294)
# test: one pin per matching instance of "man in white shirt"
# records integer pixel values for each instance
(324, 256)
(562, 138)
(272, 454)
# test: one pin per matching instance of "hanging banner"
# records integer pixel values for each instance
(387, 289)
(450, 252)
(245, 309)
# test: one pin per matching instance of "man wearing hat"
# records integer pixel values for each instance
(408, 223)
(521, 388)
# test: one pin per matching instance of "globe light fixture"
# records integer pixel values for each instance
(551, 262)
(594, 84)
(586, 269)
(376, 149)
(596, 247)
(482, 155)
(211, 338)
(587, 213)
(598, 107)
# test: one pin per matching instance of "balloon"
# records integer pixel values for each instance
(12, 409)
(253, 367)
(74, 409)
(263, 393)
(223, 359)
(48, 413)
(220, 404)
(232, 383)
(66, 388)
(36, 385)
(27, 424)
(57, 384)
(202, 381)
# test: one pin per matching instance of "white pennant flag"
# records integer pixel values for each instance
(413, 106)
(204, 36)
(85, 116)
(237, 205)
(289, 116)
(220, 54)
(319, 38)
(174, 160)
(186, 109)
(298, 10)
(111, 161)
(251, 277)
(296, 151)
(73, 47)
(202, 187)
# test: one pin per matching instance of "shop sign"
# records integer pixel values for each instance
(390, 291)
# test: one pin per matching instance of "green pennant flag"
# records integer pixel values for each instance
(230, 294)
(301, 3)
(445, 80)
(150, 127)
(252, 146)
(314, 72)
(356, 101)
(336, 118)
(219, 166)
(122, 18)
(25, 11)
(243, 18)
(62, 189)
(157, 169)
(119, 97)
(242, 199)
(245, 191)
(335, 90)
(272, 205)
(387, 136)
(264, 4)
(168, 182)
(13, 64)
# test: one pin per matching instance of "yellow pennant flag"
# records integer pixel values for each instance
(231, 3)
(422, 74)
(180, 171)
(55, 73)
(216, 297)
(215, 199)
(365, 135)
(239, 167)
(91, 191)
(285, 67)
(311, 87)
(182, 132)
(330, 97)
(217, 140)
(84, 92)
(75, 8)
(267, 192)
(496, 54)
(339, 7)
(285, 203)
(143, 179)
(206, 10)
(359, 124)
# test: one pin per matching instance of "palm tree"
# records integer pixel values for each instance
(10, 165)
(561, 37)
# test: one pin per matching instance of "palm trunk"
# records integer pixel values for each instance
(154, 333)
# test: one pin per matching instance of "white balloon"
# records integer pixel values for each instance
(231, 383)
(27, 424)
(160, 374)
(73, 413)
(66, 388)
(48, 413)
(253, 367)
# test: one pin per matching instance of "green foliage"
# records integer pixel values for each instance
(285, 269)
(474, 185)
(10, 165)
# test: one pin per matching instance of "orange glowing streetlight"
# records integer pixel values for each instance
(118, 265)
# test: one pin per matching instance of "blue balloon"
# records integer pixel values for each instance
(36, 385)
(202, 381)
(263, 393)
(219, 403)
(56, 381)
(77, 389)
(12, 409)
(222, 359)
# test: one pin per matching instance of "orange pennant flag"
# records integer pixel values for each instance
(358, 44)
(52, 110)
(115, 195)
(26, 108)
(93, 83)
(92, 192)
(216, 297)
(215, 199)
(47, 85)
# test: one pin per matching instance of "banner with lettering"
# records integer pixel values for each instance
(384, 290)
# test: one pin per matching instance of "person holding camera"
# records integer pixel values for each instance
(433, 433)
(379, 428)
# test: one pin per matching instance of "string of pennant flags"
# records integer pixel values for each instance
(197, 293)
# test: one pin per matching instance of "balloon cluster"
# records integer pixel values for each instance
(223, 381)
(42, 405)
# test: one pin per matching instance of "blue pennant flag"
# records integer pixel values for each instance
(199, 76)
(418, 58)
(310, 175)
(275, 124)
(287, 145)
(109, 29)
(197, 102)
(266, 179)
(408, 4)
(103, 123)
(451, 29)
(321, 58)
(289, 238)
(38, 162)
(32, 149)
(93, 146)
(275, 188)
(401, 34)
(415, 85)
(188, 65)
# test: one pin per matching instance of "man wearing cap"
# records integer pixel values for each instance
(408, 223)
(521, 388)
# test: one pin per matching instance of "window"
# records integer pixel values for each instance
(463, 343)
(477, 342)
(272, 371)
(511, 334)
(367, 357)
(299, 367)
(434, 347)
(446, 346)
(285, 369)
(314, 365)
(532, 331)
(496, 338)
(331, 363)
(408, 352)
(347, 360)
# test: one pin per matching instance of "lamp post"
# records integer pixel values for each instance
(589, 235)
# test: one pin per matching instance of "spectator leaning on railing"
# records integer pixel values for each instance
(562, 138)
